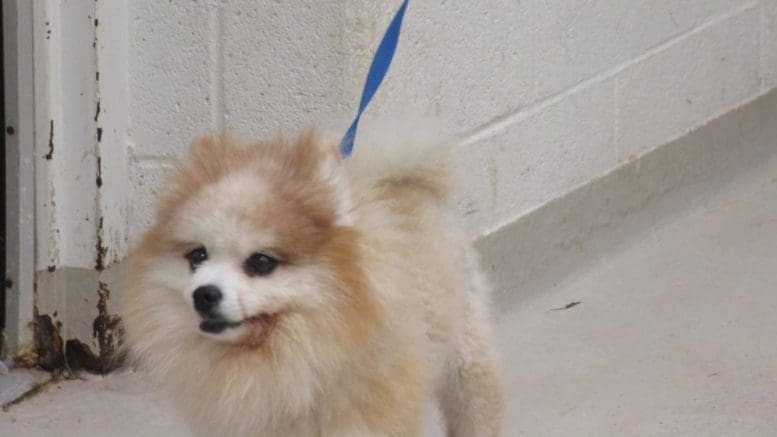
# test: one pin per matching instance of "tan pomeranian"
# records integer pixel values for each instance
(284, 291)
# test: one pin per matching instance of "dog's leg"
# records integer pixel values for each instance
(471, 398)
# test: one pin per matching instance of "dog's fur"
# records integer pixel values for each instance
(377, 304)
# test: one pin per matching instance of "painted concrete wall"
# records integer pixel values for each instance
(546, 95)
(542, 95)
(539, 96)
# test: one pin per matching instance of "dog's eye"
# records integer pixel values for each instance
(196, 256)
(259, 264)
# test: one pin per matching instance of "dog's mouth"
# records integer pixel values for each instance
(254, 329)
(217, 326)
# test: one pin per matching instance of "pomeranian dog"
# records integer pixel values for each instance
(285, 291)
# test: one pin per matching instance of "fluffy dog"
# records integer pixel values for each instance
(284, 291)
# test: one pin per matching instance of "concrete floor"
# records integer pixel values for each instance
(674, 335)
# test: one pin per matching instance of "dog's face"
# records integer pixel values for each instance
(253, 248)
(249, 257)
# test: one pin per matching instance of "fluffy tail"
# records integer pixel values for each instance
(419, 162)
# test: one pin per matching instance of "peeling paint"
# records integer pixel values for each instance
(48, 343)
(80, 357)
(27, 358)
(100, 249)
(53, 354)
(107, 330)
(99, 179)
(50, 155)
(53, 238)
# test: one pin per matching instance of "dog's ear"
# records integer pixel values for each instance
(333, 171)
(210, 156)
(203, 160)
(202, 151)
(200, 144)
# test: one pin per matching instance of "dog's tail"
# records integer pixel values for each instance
(410, 161)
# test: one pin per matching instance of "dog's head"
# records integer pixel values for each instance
(253, 252)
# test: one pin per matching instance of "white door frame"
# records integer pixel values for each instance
(66, 160)
(20, 173)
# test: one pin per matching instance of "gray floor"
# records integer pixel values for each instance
(674, 335)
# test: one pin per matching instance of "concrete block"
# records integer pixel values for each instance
(146, 179)
(688, 83)
(169, 74)
(576, 40)
(468, 63)
(462, 63)
(284, 67)
(551, 151)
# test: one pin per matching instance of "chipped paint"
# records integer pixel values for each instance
(99, 178)
(53, 231)
(54, 352)
(97, 112)
(50, 155)
(101, 250)
(80, 357)
(49, 347)
(108, 332)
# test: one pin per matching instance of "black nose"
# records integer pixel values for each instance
(206, 298)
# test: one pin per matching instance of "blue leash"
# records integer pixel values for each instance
(378, 69)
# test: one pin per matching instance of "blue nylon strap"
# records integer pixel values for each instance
(378, 70)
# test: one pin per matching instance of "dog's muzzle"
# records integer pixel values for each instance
(206, 301)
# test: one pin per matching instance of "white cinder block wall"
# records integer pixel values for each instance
(540, 97)
(546, 95)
